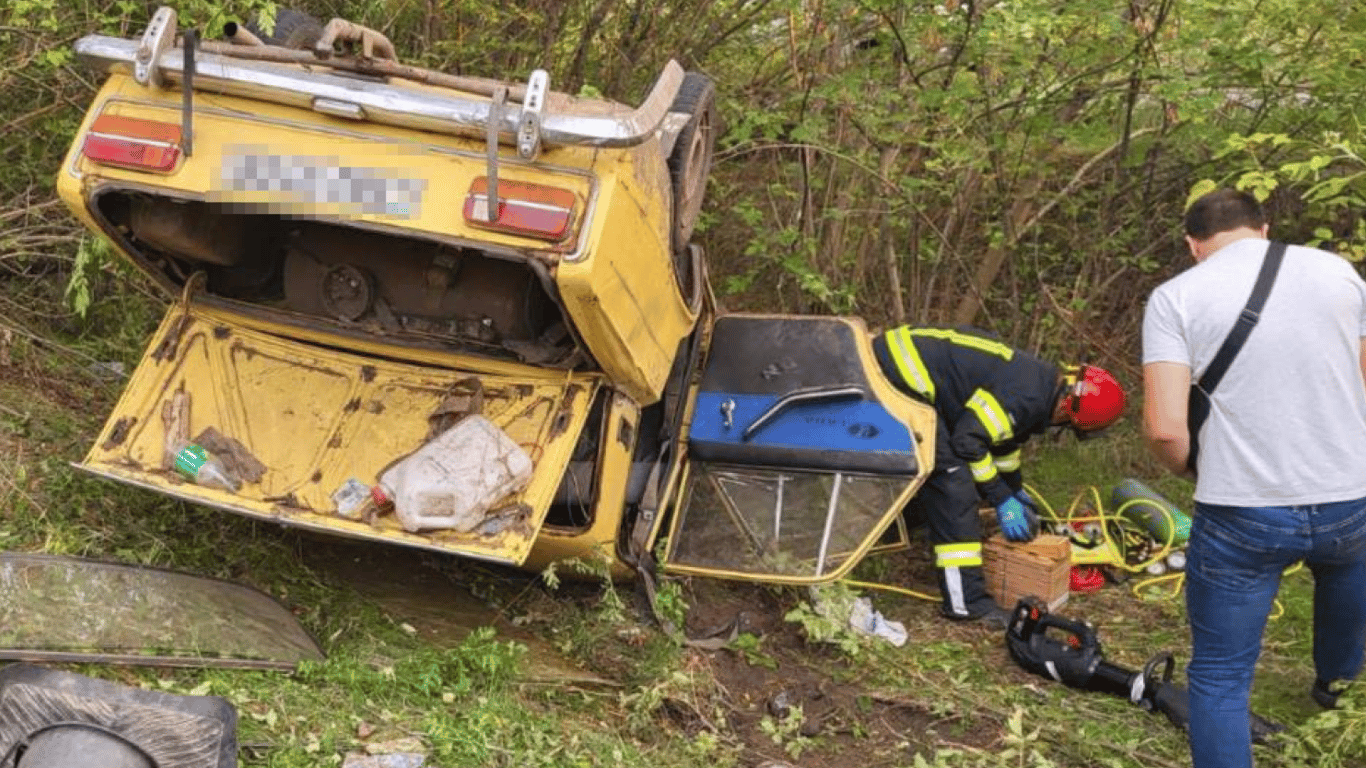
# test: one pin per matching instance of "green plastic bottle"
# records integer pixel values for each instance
(203, 468)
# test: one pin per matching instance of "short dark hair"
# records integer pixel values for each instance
(1221, 211)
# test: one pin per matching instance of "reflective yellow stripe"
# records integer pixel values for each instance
(991, 414)
(983, 470)
(908, 362)
(1003, 351)
(966, 555)
(1009, 462)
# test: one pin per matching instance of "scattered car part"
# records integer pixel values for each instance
(54, 719)
(64, 609)
(292, 29)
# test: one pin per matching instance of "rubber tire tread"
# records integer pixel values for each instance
(293, 29)
(696, 97)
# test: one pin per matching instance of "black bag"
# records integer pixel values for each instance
(1197, 402)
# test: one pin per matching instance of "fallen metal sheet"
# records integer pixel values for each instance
(74, 610)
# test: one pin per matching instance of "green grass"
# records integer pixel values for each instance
(473, 703)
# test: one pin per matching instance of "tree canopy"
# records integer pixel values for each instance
(1017, 164)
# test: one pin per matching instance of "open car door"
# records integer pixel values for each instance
(801, 454)
(306, 427)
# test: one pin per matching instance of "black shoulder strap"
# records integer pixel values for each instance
(1271, 263)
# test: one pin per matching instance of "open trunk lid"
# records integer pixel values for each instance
(307, 427)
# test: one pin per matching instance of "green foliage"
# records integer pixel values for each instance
(786, 731)
(610, 604)
(93, 255)
(750, 646)
(1323, 174)
(480, 664)
(1333, 739)
(670, 605)
(825, 619)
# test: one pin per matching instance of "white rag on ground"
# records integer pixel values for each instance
(863, 618)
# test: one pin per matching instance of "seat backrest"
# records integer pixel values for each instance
(793, 392)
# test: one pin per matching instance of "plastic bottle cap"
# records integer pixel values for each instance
(380, 498)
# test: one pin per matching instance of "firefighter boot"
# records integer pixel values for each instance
(965, 598)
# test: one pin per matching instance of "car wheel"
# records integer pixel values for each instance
(293, 29)
(689, 165)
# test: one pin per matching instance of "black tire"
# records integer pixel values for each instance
(690, 164)
(293, 29)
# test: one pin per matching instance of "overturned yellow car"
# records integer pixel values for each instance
(464, 315)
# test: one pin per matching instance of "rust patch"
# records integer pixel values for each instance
(367, 373)
(506, 393)
(170, 343)
(626, 433)
(335, 442)
(317, 477)
(512, 517)
(571, 393)
(119, 433)
(352, 405)
(221, 332)
(566, 413)
(533, 406)
(175, 417)
(288, 503)
(464, 398)
(561, 423)
(247, 352)
(237, 460)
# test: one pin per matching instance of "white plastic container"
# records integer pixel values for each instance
(451, 482)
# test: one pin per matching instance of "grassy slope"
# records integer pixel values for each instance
(471, 706)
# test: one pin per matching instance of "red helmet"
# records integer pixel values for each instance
(1095, 400)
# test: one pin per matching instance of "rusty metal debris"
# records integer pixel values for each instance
(372, 43)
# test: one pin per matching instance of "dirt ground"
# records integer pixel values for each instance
(848, 721)
(858, 726)
(850, 717)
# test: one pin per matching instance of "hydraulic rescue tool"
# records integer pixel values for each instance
(1071, 654)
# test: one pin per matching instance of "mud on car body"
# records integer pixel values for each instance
(359, 254)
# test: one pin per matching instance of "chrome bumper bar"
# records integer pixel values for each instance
(382, 103)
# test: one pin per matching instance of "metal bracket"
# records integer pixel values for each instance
(156, 40)
(496, 107)
(187, 93)
(529, 122)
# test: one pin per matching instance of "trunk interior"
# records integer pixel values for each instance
(354, 281)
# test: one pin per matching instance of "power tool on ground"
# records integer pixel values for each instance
(1070, 652)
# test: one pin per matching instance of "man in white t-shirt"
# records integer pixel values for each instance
(1281, 474)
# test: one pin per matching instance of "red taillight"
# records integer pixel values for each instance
(127, 142)
(523, 209)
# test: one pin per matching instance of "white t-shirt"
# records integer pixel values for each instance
(1287, 423)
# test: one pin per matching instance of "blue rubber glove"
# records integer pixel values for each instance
(1027, 500)
(1015, 520)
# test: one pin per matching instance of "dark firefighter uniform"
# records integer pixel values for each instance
(990, 398)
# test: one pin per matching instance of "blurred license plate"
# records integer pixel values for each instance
(319, 184)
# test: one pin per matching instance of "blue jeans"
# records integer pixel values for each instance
(1234, 564)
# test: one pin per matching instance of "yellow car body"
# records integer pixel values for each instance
(341, 291)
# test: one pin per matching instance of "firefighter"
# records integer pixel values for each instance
(990, 398)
